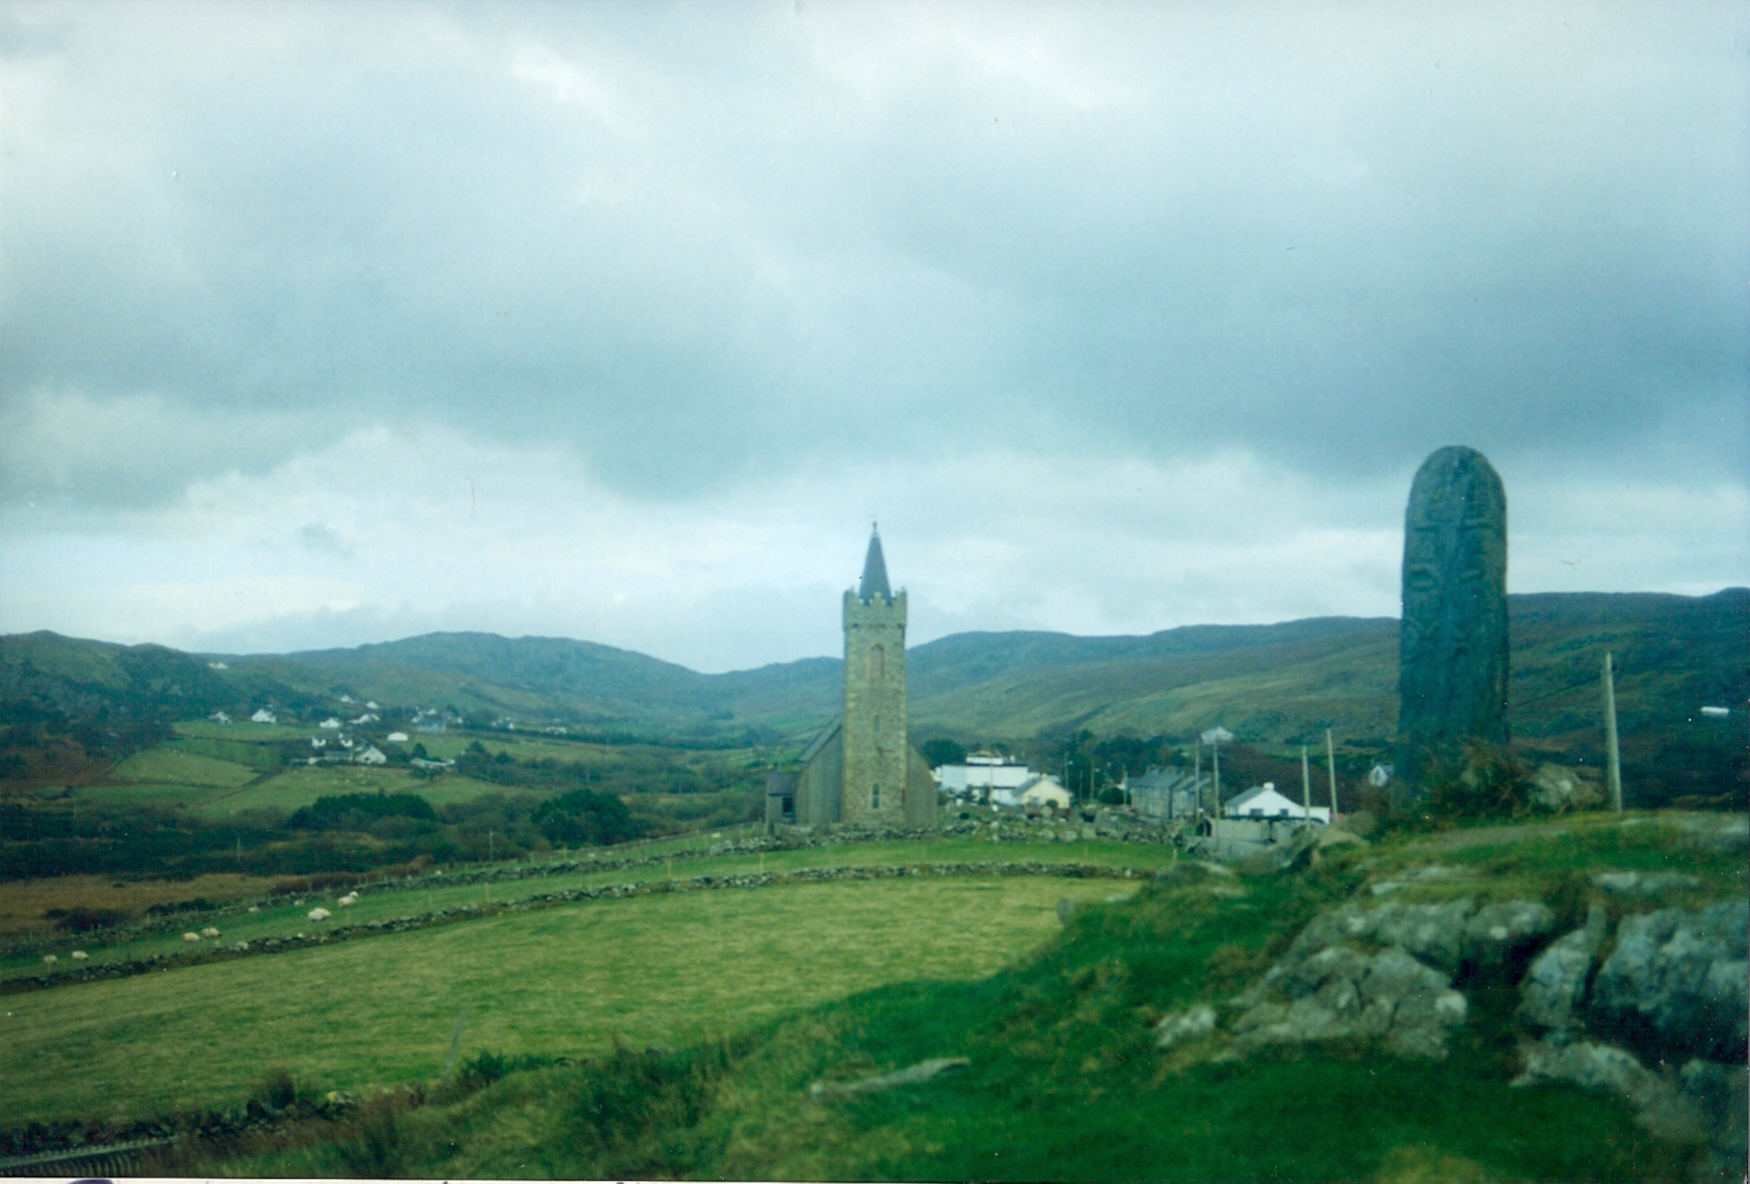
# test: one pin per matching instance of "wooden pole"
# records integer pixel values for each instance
(1305, 786)
(1215, 750)
(1197, 774)
(1611, 750)
(1331, 763)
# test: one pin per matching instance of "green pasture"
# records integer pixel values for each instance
(244, 732)
(175, 766)
(664, 969)
(283, 918)
(302, 786)
(1064, 1082)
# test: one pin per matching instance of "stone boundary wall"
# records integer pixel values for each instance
(1003, 830)
(471, 912)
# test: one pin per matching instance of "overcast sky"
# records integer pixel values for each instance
(331, 323)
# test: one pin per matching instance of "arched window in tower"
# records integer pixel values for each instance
(875, 797)
(877, 663)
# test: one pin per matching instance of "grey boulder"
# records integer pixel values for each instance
(1555, 982)
(1676, 980)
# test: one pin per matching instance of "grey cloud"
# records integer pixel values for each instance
(724, 240)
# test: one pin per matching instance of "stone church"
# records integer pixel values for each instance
(861, 769)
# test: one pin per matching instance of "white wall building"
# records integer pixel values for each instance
(1265, 801)
(984, 777)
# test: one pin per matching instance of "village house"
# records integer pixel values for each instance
(985, 777)
(1265, 801)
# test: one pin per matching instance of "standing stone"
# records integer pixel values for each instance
(1452, 649)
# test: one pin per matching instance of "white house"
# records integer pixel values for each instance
(1045, 790)
(370, 756)
(366, 718)
(985, 776)
(330, 723)
(371, 705)
(264, 716)
(346, 698)
(219, 717)
(318, 742)
(1264, 801)
(397, 737)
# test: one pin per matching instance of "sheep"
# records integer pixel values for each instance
(80, 955)
(49, 961)
(319, 914)
(255, 908)
(209, 931)
(191, 937)
(350, 899)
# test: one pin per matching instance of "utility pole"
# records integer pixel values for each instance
(1331, 763)
(1305, 786)
(1610, 746)
(1197, 774)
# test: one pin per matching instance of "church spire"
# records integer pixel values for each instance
(874, 581)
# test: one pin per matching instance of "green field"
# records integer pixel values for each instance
(839, 980)
(283, 918)
(660, 969)
(179, 767)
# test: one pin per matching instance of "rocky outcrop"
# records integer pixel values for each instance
(1553, 986)
(1676, 982)
(1556, 788)
(1664, 1108)
(1180, 1026)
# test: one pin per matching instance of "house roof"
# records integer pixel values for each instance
(820, 741)
(874, 582)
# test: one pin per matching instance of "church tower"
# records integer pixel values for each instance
(875, 749)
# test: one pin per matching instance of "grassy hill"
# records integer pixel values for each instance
(1271, 685)
(678, 1035)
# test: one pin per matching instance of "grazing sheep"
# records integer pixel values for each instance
(191, 937)
(80, 955)
(255, 908)
(319, 914)
(49, 960)
(350, 899)
(209, 931)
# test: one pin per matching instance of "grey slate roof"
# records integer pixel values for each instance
(874, 582)
(821, 741)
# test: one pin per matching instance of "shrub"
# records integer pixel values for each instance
(84, 920)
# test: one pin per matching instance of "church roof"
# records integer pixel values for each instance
(874, 572)
(821, 741)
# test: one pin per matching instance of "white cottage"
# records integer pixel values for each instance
(1265, 801)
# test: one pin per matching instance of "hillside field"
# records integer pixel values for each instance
(725, 1006)
(668, 969)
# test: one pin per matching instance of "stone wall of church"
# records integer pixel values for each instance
(876, 771)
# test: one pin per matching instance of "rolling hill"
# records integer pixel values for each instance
(1269, 684)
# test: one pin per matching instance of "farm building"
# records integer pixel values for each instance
(263, 716)
(982, 776)
(397, 737)
(861, 768)
(1264, 801)
(1166, 793)
(370, 756)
